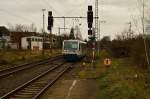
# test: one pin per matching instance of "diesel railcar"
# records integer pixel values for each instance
(73, 50)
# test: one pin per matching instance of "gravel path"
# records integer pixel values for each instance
(70, 86)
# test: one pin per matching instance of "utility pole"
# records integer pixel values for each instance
(96, 27)
(99, 31)
(73, 22)
(59, 39)
(64, 25)
(96, 19)
(143, 24)
(129, 33)
(43, 10)
(130, 27)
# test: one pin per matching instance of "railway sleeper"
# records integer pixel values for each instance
(42, 82)
(46, 79)
(36, 86)
(17, 98)
(29, 91)
(22, 96)
(25, 94)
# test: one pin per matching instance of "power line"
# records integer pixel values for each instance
(50, 6)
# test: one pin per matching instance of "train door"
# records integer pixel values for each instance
(80, 48)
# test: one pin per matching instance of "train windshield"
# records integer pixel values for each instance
(70, 46)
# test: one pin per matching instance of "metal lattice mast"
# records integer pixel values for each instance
(97, 35)
(143, 24)
(96, 20)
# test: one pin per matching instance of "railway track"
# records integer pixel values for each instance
(15, 69)
(34, 88)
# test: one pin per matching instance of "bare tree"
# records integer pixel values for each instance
(71, 36)
(77, 32)
(22, 28)
(33, 28)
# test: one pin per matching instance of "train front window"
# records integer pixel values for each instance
(71, 46)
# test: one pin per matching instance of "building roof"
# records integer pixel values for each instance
(32, 37)
(71, 40)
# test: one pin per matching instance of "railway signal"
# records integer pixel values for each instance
(90, 32)
(90, 21)
(90, 16)
(92, 38)
(50, 20)
(50, 25)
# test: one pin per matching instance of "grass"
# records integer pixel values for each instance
(12, 58)
(90, 71)
(123, 81)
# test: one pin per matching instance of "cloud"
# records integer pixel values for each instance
(116, 13)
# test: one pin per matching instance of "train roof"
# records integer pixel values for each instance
(76, 41)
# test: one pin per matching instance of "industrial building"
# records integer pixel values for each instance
(32, 42)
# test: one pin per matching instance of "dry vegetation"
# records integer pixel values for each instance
(12, 58)
(123, 80)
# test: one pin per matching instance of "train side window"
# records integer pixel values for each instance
(79, 46)
(36, 39)
(32, 39)
(28, 39)
(74, 46)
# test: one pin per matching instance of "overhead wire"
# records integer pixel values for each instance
(50, 6)
(46, 3)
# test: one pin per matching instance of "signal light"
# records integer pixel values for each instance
(90, 16)
(50, 20)
(90, 25)
(92, 38)
(90, 32)
(89, 8)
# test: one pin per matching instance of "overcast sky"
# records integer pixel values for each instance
(116, 13)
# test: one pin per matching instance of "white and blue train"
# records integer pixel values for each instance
(73, 50)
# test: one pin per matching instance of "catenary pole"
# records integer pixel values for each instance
(43, 10)
(143, 24)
